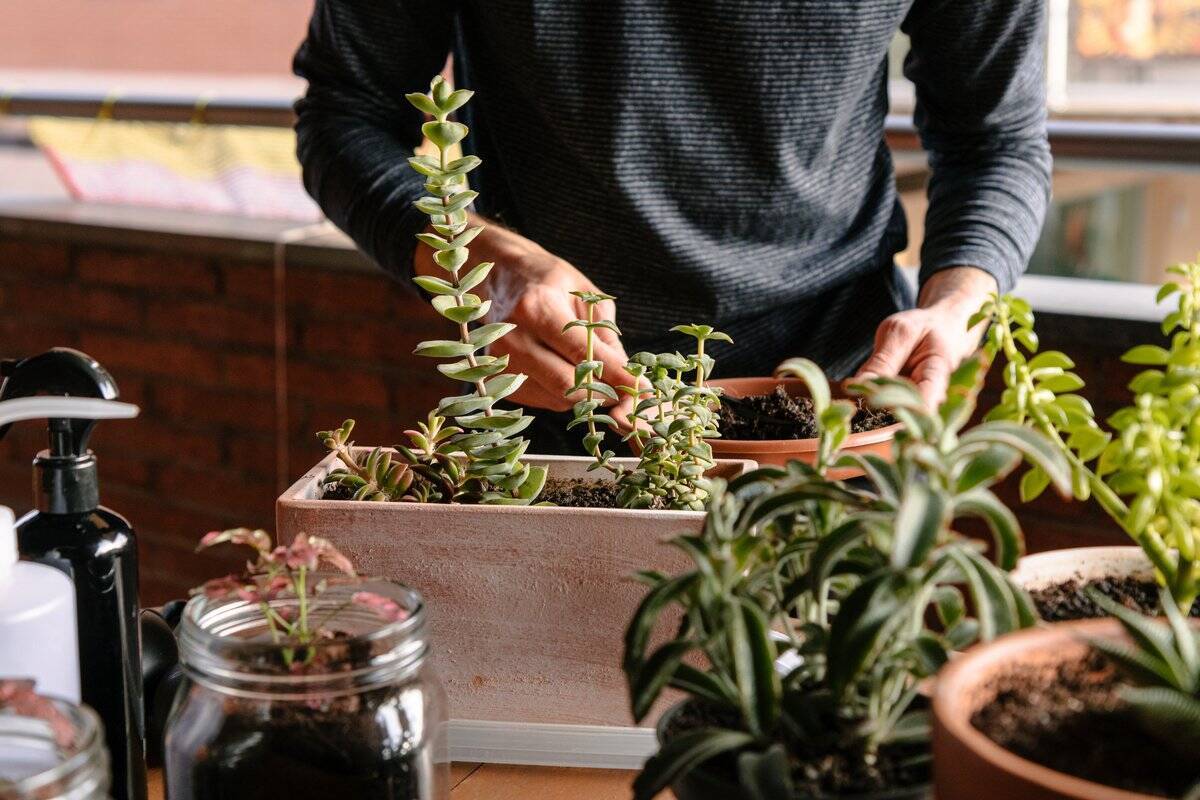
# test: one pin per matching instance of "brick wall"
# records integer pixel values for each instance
(192, 340)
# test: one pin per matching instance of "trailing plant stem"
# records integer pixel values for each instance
(1155, 549)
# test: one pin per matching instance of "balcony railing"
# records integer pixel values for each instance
(1086, 139)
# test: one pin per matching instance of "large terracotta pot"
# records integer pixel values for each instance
(779, 451)
(528, 605)
(1081, 564)
(967, 765)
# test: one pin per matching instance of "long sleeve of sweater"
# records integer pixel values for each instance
(979, 72)
(354, 130)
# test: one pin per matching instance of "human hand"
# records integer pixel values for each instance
(531, 288)
(928, 342)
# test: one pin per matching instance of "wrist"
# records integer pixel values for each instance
(962, 288)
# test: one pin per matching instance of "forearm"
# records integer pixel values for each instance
(979, 72)
(986, 209)
(957, 287)
(358, 175)
(354, 131)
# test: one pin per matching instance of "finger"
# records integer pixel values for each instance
(571, 345)
(607, 309)
(895, 340)
(931, 374)
(533, 395)
(550, 371)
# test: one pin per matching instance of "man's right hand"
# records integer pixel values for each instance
(531, 288)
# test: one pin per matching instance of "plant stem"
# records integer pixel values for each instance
(464, 333)
(1112, 504)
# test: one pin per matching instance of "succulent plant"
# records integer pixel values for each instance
(468, 450)
(674, 413)
(1147, 475)
(1164, 665)
(847, 578)
(290, 571)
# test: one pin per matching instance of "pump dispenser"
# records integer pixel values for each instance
(93, 546)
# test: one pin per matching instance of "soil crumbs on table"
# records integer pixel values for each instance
(1069, 600)
(1072, 720)
(842, 773)
(778, 415)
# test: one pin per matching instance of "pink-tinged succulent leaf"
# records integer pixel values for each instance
(332, 556)
(387, 609)
(220, 588)
(301, 553)
(250, 594)
(258, 539)
(18, 695)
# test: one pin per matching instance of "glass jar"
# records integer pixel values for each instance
(368, 723)
(63, 759)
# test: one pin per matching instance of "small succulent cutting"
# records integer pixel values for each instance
(290, 571)
(1164, 665)
(674, 413)
(1147, 475)
(841, 582)
(467, 451)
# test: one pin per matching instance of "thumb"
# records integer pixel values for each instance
(895, 340)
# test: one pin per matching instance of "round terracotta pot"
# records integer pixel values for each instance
(778, 452)
(705, 784)
(1082, 564)
(967, 765)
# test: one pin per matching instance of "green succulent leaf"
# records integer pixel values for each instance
(485, 335)
(683, 754)
(444, 134)
(919, 521)
(1148, 354)
(443, 348)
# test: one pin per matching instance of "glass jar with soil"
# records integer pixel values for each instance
(56, 754)
(358, 713)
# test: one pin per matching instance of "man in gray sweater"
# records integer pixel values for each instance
(711, 161)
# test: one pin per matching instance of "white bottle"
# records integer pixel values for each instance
(37, 621)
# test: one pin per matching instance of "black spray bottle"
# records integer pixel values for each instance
(95, 547)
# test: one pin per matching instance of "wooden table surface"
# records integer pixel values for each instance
(505, 782)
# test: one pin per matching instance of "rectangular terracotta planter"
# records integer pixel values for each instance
(528, 605)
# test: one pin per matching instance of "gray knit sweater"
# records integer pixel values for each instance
(717, 161)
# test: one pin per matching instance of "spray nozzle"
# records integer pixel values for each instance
(71, 391)
(61, 371)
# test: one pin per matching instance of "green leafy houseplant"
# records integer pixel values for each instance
(844, 580)
(1147, 475)
(1164, 665)
(674, 413)
(467, 451)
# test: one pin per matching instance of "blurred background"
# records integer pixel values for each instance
(151, 215)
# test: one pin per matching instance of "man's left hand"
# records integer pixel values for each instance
(928, 342)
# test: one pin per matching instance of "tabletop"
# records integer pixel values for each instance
(509, 782)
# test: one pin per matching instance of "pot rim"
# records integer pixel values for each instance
(296, 495)
(975, 667)
(737, 387)
(728, 789)
(1038, 570)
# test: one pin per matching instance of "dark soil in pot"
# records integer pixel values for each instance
(778, 415)
(582, 493)
(1069, 600)
(301, 753)
(1073, 721)
(899, 773)
(579, 493)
